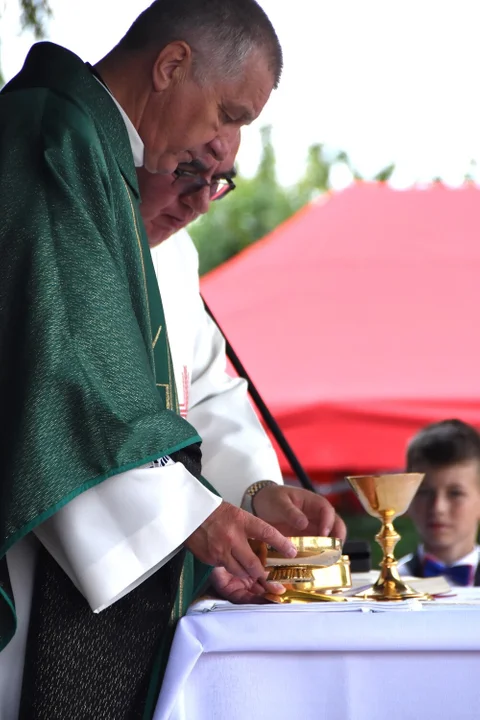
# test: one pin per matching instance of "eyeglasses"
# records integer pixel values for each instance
(191, 182)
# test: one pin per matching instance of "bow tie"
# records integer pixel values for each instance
(459, 574)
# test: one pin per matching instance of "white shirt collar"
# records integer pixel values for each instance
(136, 142)
(470, 559)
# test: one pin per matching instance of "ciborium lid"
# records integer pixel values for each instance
(311, 550)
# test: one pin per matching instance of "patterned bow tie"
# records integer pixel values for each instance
(459, 574)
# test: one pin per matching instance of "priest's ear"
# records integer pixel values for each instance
(172, 65)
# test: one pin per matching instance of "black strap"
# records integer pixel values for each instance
(267, 416)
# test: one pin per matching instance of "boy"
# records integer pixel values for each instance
(446, 508)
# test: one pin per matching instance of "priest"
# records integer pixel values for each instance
(101, 490)
(238, 458)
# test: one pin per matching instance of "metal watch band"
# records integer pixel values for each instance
(250, 492)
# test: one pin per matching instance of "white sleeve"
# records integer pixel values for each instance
(236, 451)
(118, 533)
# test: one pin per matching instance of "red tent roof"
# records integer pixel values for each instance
(357, 320)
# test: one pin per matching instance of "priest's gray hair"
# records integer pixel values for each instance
(221, 33)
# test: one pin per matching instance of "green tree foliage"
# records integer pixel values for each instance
(34, 16)
(257, 206)
(385, 174)
(261, 203)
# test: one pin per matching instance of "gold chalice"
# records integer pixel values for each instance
(386, 497)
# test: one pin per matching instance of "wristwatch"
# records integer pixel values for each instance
(250, 492)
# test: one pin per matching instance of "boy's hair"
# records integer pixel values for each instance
(442, 444)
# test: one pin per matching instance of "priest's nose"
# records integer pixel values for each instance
(218, 147)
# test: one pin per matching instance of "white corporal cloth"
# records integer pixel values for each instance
(402, 661)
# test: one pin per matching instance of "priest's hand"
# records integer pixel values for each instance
(242, 590)
(295, 511)
(222, 541)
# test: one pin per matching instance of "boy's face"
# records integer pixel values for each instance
(446, 510)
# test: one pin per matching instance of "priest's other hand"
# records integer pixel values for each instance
(222, 541)
(242, 590)
(295, 511)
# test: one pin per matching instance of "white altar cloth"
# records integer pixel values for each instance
(325, 661)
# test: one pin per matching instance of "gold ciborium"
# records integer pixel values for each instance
(386, 497)
(317, 570)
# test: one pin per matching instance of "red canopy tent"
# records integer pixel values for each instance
(357, 320)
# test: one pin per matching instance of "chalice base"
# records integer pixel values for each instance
(390, 586)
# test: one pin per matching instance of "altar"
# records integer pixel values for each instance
(334, 661)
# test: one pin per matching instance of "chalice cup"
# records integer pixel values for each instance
(386, 497)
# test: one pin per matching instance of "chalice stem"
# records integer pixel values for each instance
(389, 584)
(387, 538)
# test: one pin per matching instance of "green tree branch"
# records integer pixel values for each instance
(34, 16)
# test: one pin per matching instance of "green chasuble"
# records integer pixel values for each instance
(86, 383)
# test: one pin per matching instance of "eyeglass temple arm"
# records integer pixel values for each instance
(267, 416)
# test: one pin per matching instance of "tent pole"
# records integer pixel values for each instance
(267, 416)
